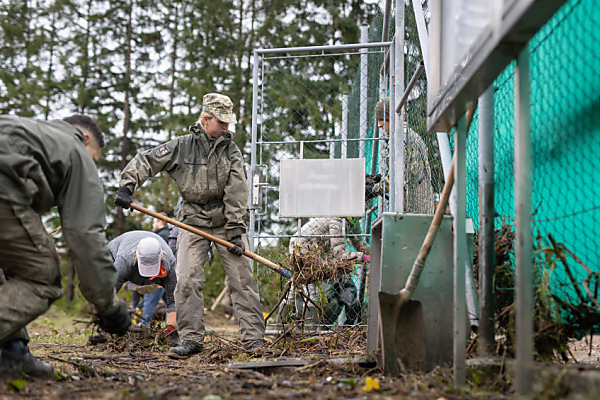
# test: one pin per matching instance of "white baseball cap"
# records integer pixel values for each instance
(148, 257)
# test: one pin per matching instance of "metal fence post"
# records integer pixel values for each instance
(364, 58)
(392, 136)
(253, 146)
(470, 287)
(399, 117)
(460, 251)
(524, 243)
(344, 142)
(486, 223)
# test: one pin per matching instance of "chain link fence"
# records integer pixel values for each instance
(303, 112)
(307, 111)
(565, 129)
(321, 105)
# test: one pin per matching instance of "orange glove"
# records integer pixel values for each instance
(169, 330)
(172, 318)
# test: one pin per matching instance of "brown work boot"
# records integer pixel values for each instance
(186, 350)
(16, 361)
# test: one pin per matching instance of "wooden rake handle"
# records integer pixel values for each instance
(280, 270)
(417, 268)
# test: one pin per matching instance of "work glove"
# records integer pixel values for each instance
(370, 192)
(115, 319)
(123, 197)
(372, 179)
(238, 248)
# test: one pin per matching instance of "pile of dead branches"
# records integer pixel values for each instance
(138, 340)
(312, 267)
(558, 316)
(336, 341)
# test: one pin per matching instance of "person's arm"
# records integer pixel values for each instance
(358, 242)
(82, 213)
(122, 272)
(170, 283)
(236, 195)
(338, 242)
(149, 163)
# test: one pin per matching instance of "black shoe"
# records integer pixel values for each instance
(254, 345)
(186, 350)
(175, 340)
(16, 361)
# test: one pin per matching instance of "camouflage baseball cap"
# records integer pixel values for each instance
(379, 108)
(220, 106)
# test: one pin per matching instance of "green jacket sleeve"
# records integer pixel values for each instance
(236, 195)
(82, 212)
(149, 163)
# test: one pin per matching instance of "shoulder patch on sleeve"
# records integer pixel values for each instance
(162, 151)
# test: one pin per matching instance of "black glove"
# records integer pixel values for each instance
(123, 197)
(211, 255)
(369, 193)
(371, 180)
(116, 319)
(239, 248)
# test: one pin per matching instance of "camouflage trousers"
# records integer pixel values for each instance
(192, 251)
(30, 277)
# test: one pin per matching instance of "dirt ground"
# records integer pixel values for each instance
(319, 367)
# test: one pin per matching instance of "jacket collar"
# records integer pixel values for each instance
(202, 137)
(198, 131)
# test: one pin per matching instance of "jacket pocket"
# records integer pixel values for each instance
(192, 180)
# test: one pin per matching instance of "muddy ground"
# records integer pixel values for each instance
(324, 367)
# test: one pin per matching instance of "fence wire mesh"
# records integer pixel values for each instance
(565, 128)
(301, 108)
(302, 115)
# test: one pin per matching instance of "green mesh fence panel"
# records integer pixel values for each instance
(565, 129)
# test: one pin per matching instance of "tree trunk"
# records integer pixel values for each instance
(171, 99)
(127, 115)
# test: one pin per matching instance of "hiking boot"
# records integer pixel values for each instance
(16, 361)
(186, 350)
(254, 345)
(256, 349)
(175, 340)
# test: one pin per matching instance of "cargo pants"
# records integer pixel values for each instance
(30, 279)
(192, 251)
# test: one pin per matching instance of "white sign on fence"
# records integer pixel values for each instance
(322, 188)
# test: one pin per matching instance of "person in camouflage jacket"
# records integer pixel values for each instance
(418, 190)
(208, 168)
(45, 164)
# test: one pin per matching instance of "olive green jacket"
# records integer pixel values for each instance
(211, 179)
(45, 164)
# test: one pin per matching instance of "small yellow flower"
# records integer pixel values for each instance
(371, 384)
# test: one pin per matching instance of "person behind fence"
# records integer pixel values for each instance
(45, 164)
(209, 170)
(145, 259)
(325, 236)
(418, 190)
